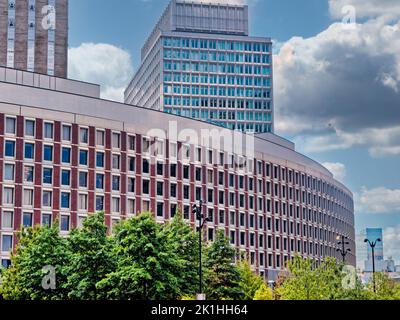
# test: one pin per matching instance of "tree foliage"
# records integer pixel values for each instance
(147, 263)
(184, 242)
(146, 260)
(263, 293)
(222, 275)
(90, 258)
(249, 282)
(38, 249)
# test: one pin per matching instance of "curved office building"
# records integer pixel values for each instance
(65, 153)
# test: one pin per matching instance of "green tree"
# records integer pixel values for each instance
(147, 263)
(249, 282)
(185, 243)
(301, 283)
(264, 293)
(39, 252)
(91, 258)
(221, 274)
(385, 287)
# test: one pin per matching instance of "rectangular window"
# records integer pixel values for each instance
(99, 159)
(7, 221)
(116, 140)
(6, 243)
(29, 151)
(84, 135)
(9, 150)
(173, 170)
(10, 125)
(82, 202)
(48, 153)
(146, 166)
(146, 187)
(131, 164)
(83, 179)
(145, 145)
(131, 143)
(160, 209)
(8, 196)
(47, 175)
(28, 197)
(9, 170)
(48, 130)
(100, 138)
(83, 157)
(116, 161)
(160, 168)
(64, 223)
(115, 205)
(27, 220)
(46, 219)
(47, 198)
(160, 189)
(232, 236)
(131, 185)
(99, 181)
(131, 206)
(115, 183)
(99, 203)
(66, 133)
(28, 174)
(65, 200)
(65, 177)
(29, 128)
(66, 155)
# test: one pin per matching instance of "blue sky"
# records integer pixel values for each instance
(337, 89)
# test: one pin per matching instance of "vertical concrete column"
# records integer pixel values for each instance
(3, 31)
(61, 45)
(21, 34)
(41, 39)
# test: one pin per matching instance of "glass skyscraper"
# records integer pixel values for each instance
(200, 62)
(372, 235)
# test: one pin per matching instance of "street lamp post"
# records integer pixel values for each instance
(198, 211)
(342, 241)
(373, 245)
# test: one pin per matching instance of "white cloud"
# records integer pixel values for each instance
(338, 170)
(391, 243)
(365, 8)
(378, 201)
(104, 64)
(340, 88)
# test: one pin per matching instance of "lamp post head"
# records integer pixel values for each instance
(366, 240)
(378, 240)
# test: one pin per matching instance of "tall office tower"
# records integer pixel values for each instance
(372, 235)
(200, 62)
(34, 36)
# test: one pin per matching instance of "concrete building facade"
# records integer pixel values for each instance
(34, 36)
(200, 62)
(65, 153)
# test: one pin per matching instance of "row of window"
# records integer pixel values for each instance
(197, 68)
(217, 44)
(66, 133)
(221, 56)
(65, 203)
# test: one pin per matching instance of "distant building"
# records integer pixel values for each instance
(372, 235)
(200, 62)
(34, 36)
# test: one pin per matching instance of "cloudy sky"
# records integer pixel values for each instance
(337, 83)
